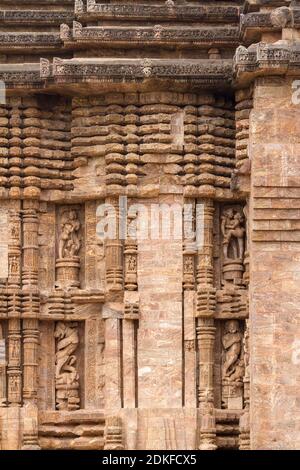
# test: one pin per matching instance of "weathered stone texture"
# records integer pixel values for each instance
(175, 339)
(275, 266)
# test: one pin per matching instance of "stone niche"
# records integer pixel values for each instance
(62, 366)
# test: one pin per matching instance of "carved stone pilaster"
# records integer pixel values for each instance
(205, 288)
(205, 325)
(30, 300)
(30, 244)
(206, 339)
(14, 371)
(14, 250)
(130, 256)
(114, 249)
(206, 292)
(30, 360)
(189, 246)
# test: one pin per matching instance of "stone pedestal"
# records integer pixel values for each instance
(67, 272)
(233, 270)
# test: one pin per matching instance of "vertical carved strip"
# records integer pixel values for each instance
(30, 312)
(30, 349)
(30, 245)
(189, 285)
(130, 324)
(3, 388)
(114, 250)
(189, 246)
(16, 145)
(14, 274)
(130, 255)
(205, 325)
(14, 362)
(30, 307)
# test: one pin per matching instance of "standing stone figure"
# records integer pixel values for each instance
(233, 233)
(233, 367)
(66, 375)
(69, 241)
(232, 344)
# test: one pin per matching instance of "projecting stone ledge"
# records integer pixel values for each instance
(131, 36)
(263, 59)
(209, 73)
(169, 11)
(26, 17)
(21, 75)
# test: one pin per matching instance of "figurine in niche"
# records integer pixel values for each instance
(14, 266)
(233, 233)
(67, 342)
(69, 240)
(131, 264)
(66, 375)
(233, 367)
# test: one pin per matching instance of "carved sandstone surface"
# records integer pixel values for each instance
(149, 224)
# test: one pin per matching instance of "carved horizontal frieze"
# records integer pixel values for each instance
(29, 40)
(266, 59)
(165, 12)
(157, 34)
(144, 11)
(20, 73)
(42, 2)
(64, 70)
(35, 17)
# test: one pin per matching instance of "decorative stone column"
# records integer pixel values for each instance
(14, 363)
(130, 257)
(114, 249)
(14, 371)
(205, 324)
(189, 288)
(30, 312)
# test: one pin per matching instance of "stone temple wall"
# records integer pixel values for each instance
(146, 118)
